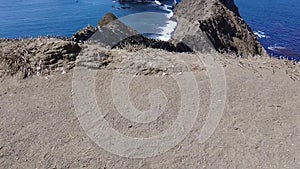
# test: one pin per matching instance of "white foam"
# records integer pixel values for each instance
(261, 34)
(167, 31)
(157, 2)
(163, 6)
(276, 48)
(169, 15)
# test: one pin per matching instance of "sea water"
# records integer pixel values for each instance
(276, 23)
(32, 18)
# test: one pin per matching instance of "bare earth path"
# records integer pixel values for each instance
(260, 126)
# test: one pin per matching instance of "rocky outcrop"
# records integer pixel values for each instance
(106, 19)
(84, 34)
(207, 25)
(111, 31)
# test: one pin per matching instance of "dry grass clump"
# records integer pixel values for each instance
(133, 47)
(36, 56)
(14, 57)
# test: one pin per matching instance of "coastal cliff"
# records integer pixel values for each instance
(215, 25)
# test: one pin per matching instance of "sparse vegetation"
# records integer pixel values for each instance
(132, 47)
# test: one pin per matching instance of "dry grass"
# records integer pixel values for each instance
(133, 47)
(38, 55)
(12, 62)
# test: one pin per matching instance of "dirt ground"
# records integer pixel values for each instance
(260, 126)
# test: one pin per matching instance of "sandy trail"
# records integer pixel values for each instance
(259, 128)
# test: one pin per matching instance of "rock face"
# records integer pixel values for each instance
(209, 25)
(231, 6)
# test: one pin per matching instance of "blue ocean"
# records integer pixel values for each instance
(275, 22)
(26, 18)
